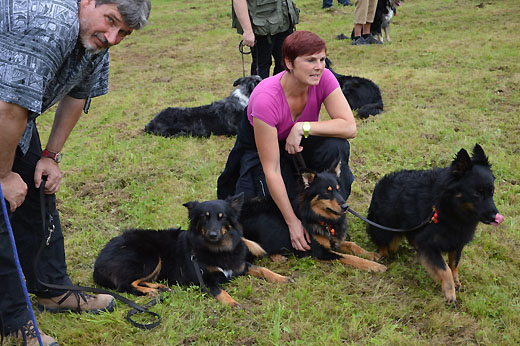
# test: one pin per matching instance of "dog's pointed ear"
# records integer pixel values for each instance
(236, 201)
(479, 156)
(190, 205)
(336, 168)
(307, 178)
(461, 163)
(238, 81)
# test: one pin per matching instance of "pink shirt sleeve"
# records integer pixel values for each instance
(328, 83)
(267, 108)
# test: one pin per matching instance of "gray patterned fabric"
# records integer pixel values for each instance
(41, 59)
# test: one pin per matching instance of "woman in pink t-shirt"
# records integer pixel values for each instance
(283, 118)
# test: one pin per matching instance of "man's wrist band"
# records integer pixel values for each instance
(51, 155)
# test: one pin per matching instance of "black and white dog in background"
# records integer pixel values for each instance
(362, 94)
(219, 118)
(385, 11)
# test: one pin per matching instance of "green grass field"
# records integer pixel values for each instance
(449, 79)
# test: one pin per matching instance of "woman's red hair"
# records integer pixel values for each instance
(301, 43)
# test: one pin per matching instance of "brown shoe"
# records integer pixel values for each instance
(27, 334)
(77, 301)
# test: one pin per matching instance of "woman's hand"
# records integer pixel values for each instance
(292, 143)
(300, 239)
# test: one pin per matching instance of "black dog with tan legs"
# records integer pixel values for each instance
(133, 261)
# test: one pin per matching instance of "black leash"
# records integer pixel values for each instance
(136, 308)
(242, 53)
(431, 218)
(192, 259)
(425, 222)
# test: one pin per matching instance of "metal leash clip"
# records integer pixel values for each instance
(50, 229)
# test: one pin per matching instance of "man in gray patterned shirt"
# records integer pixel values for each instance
(50, 51)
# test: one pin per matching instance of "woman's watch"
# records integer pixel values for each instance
(306, 129)
(51, 155)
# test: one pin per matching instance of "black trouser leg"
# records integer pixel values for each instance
(14, 312)
(265, 49)
(261, 53)
(29, 234)
(277, 50)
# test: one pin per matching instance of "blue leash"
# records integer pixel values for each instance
(19, 267)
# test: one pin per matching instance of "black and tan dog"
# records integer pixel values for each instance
(321, 209)
(131, 261)
(460, 195)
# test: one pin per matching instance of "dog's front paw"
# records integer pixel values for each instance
(373, 256)
(451, 301)
(165, 289)
(376, 267)
(448, 290)
(289, 280)
(281, 279)
(278, 258)
(235, 305)
(457, 284)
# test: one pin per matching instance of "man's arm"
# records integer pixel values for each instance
(67, 115)
(13, 120)
(242, 12)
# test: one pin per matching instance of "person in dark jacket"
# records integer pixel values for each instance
(264, 27)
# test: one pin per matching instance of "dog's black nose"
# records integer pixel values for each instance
(213, 235)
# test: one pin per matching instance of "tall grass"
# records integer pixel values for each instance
(449, 79)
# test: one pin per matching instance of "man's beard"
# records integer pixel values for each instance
(90, 47)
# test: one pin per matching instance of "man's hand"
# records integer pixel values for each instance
(248, 38)
(48, 167)
(14, 190)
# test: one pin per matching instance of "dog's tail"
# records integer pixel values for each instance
(370, 109)
(254, 248)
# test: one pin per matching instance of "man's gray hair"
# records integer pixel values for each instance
(135, 13)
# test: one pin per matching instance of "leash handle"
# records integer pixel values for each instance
(136, 308)
(243, 52)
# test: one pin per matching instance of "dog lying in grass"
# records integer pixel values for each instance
(460, 196)
(362, 94)
(213, 242)
(218, 118)
(321, 209)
